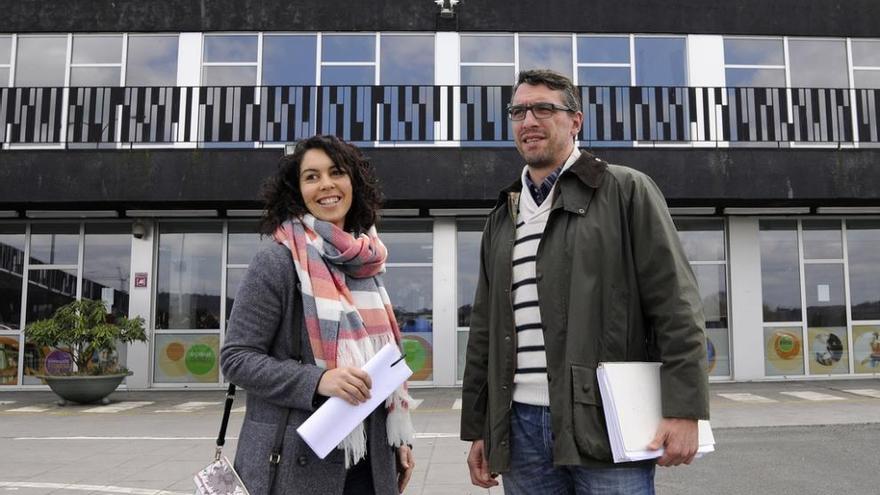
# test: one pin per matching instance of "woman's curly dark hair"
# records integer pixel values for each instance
(283, 199)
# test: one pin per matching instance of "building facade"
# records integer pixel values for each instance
(135, 136)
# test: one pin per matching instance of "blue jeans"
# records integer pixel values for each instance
(532, 470)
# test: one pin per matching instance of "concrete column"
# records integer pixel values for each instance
(445, 315)
(140, 304)
(746, 314)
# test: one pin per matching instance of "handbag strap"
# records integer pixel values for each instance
(221, 437)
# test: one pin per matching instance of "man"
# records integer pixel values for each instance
(580, 264)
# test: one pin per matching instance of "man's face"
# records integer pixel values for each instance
(544, 142)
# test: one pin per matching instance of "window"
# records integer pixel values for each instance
(863, 236)
(5, 60)
(545, 52)
(96, 60)
(242, 244)
(866, 63)
(106, 265)
(469, 237)
(753, 62)
(410, 284)
(660, 61)
(11, 271)
(407, 59)
(781, 292)
(188, 291)
(289, 60)
(807, 73)
(348, 59)
(603, 61)
(487, 60)
(704, 245)
(229, 60)
(152, 60)
(40, 60)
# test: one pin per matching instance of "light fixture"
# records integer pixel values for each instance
(171, 213)
(459, 212)
(692, 210)
(71, 214)
(447, 8)
(797, 210)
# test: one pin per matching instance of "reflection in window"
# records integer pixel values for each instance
(866, 63)
(106, 265)
(754, 62)
(702, 239)
(822, 239)
(780, 276)
(230, 60)
(289, 60)
(469, 236)
(407, 59)
(152, 60)
(186, 358)
(487, 60)
(5, 59)
(603, 60)
(96, 60)
(40, 60)
(55, 244)
(826, 318)
(806, 73)
(545, 52)
(11, 269)
(234, 277)
(188, 281)
(410, 285)
(660, 61)
(862, 239)
(48, 290)
(244, 242)
(356, 52)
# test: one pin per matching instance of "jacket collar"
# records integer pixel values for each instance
(588, 169)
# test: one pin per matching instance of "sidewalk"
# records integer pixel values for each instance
(153, 440)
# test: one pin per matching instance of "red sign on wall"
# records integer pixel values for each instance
(140, 279)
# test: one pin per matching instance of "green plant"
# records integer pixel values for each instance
(83, 328)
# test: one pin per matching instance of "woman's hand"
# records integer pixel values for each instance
(405, 465)
(349, 384)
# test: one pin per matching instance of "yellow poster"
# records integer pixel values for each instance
(828, 350)
(783, 351)
(866, 348)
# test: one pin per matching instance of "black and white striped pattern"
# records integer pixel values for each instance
(530, 380)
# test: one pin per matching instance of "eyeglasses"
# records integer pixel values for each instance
(540, 110)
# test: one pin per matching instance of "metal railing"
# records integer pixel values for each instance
(463, 115)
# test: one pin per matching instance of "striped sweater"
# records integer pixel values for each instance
(530, 384)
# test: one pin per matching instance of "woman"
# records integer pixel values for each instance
(297, 335)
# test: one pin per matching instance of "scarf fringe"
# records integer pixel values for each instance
(398, 424)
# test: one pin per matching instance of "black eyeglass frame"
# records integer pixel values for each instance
(552, 108)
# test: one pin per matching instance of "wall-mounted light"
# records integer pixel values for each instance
(447, 8)
(139, 229)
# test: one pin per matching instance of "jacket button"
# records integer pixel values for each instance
(581, 211)
(301, 460)
(504, 443)
(586, 388)
(504, 387)
(507, 338)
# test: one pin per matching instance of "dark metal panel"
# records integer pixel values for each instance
(761, 17)
(428, 177)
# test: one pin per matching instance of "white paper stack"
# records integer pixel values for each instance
(632, 403)
(335, 419)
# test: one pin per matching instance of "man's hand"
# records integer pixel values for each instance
(679, 439)
(349, 384)
(479, 466)
(405, 465)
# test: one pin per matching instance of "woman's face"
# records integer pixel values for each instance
(325, 187)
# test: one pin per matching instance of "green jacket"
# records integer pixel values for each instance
(614, 285)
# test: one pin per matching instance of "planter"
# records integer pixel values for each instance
(84, 389)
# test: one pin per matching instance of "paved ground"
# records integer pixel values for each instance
(773, 438)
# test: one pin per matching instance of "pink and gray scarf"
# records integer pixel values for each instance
(347, 311)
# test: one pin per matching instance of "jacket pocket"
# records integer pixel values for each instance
(590, 433)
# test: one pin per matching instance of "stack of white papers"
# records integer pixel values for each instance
(335, 419)
(632, 403)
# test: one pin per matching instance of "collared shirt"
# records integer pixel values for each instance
(540, 192)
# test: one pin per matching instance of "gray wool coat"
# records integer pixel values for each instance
(257, 356)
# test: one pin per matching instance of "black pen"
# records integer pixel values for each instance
(402, 357)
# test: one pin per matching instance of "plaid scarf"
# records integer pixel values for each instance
(347, 311)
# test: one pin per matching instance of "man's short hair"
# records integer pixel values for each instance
(552, 80)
